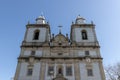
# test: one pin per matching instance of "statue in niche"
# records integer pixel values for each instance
(60, 71)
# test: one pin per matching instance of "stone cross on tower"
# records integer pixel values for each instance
(60, 29)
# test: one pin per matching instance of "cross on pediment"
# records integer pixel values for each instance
(60, 29)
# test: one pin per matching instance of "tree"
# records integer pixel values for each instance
(113, 72)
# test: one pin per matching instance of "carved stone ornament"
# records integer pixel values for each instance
(59, 77)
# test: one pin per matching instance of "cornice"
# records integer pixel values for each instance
(38, 25)
(52, 57)
(74, 45)
(84, 25)
(41, 46)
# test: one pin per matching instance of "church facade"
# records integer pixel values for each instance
(57, 57)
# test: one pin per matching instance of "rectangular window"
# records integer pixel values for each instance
(50, 70)
(87, 53)
(89, 72)
(29, 72)
(68, 71)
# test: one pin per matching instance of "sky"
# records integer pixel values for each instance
(15, 14)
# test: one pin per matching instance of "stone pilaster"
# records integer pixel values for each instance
(42, 71)
(77, 71)
(102, 71)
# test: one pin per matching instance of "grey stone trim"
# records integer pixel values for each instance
(17, 70)
(42, 71)
(77, 71)
(102, 71)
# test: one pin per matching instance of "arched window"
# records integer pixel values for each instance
(84, 35)
(36, 35)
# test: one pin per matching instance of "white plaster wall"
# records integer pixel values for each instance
(73, 34)
(92, 53)
(30, 34)
(96, 72)
(38, 53)
(36, 71)
(81, 53)
(83, 73)
(78, 36)
(23, 72)
(27, 53)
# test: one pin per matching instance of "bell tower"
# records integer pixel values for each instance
(36, 36)
(39, 32)
(83, 32)
(83, 38)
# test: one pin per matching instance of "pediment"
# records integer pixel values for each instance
(60, 40)
(60, 37)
